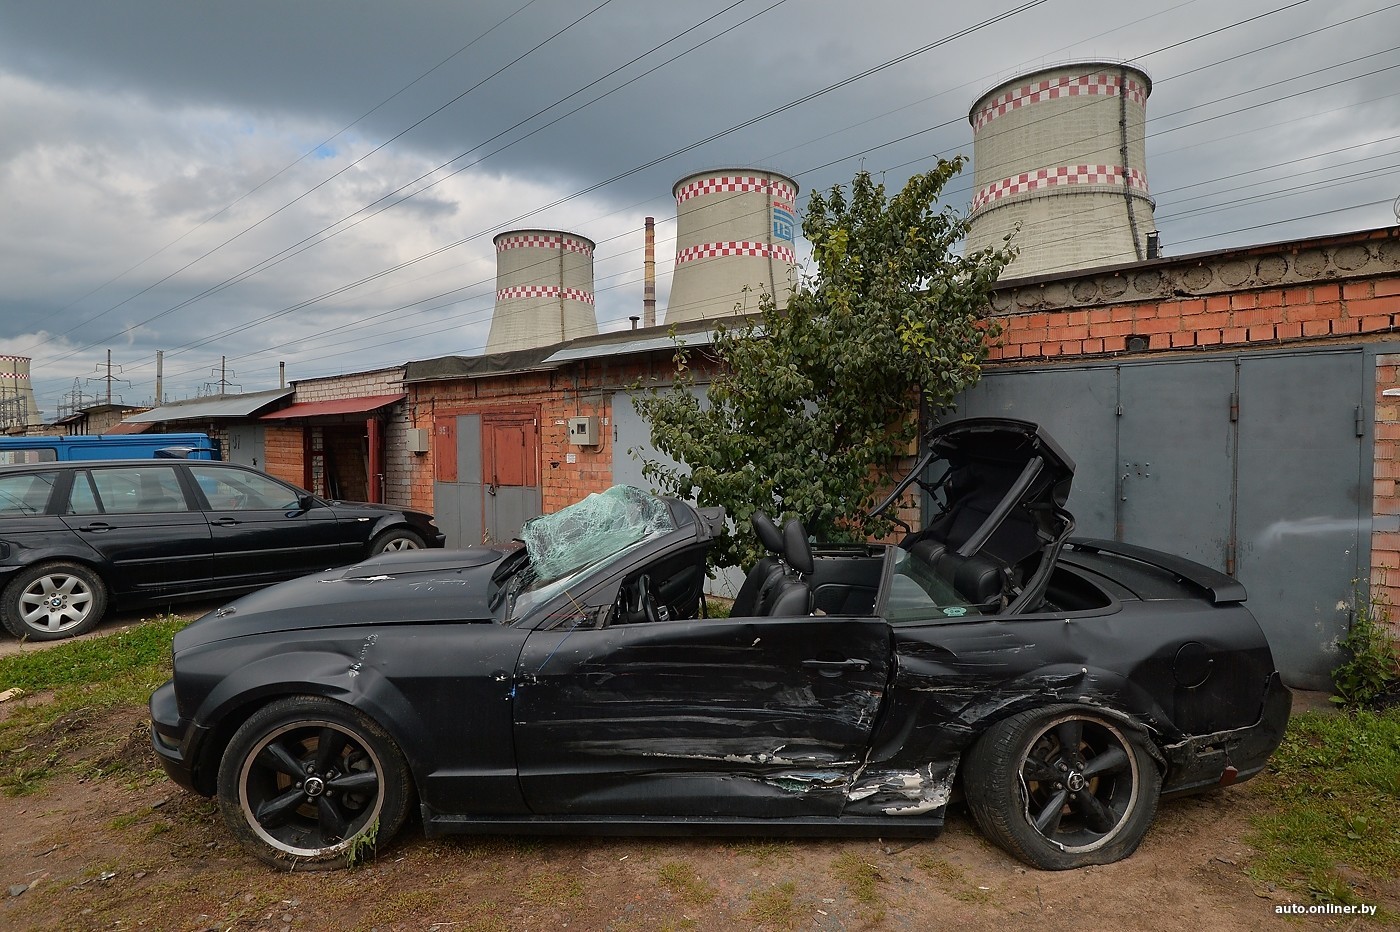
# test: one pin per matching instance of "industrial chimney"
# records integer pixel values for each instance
(734, 230)
(544, 290)
(1060, 152)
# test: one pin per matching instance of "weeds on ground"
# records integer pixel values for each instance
(1334, 785)
(954, 881)
(862, 880)
(775, 907)
(1370, 676)
(687, 886)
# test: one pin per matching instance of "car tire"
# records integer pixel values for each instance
(307, 783)
(396, 539)
(52, 601)
(1062, 787)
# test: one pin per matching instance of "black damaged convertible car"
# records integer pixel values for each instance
(574, 684)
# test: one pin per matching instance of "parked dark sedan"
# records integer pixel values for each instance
(77, 537)
(574, 684)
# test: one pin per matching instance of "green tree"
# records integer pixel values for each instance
(812, 405)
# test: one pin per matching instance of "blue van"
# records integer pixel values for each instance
(107, 447)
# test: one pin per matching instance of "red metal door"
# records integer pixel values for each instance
(510, 472)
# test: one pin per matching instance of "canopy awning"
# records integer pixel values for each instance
(361, 405)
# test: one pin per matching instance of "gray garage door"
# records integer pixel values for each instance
(1254, 465)
(632, 444)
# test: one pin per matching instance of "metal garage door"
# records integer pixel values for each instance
(632, 444)
(1253, 465)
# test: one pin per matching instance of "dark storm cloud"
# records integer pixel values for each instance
(162, 191)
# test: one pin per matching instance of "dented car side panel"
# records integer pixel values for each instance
(748, 718)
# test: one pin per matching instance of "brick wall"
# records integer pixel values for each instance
(1247, 318)
(552, 398)
(1385, 536)
(282, 453)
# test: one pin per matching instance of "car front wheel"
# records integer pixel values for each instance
(396, 539)
(1062, 788)
(312, 784)
(51, 601)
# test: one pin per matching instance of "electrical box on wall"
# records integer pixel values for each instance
(583, 431)
(417, 440)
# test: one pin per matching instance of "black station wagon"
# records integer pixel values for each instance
(575, 684)
(77, 537)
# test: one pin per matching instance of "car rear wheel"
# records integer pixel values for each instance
(1061, 788)
(396, 539)
(312, 784)
(51, 601)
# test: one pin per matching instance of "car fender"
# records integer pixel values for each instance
(941, 722)
(313, 673)
(22, 557)
(1084, 687)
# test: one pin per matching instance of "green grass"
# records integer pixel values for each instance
(1334, 794)
(776, 907)
(41, 740)
(687, 886)
(141, 649)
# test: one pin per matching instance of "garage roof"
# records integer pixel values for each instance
(214, 406)
(361, 405)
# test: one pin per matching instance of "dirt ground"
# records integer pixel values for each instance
(127, 849)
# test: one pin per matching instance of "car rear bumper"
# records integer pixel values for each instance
(1204, 762)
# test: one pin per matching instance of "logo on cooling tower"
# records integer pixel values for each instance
(784, 223)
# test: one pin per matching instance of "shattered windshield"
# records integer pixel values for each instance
(570, 545)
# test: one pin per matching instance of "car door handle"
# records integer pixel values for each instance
(96, 527)
(226, 522)
(836, 667)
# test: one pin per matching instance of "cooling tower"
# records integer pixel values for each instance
(734, 229)
(1060, 152)
(17, 406)
(544, 290)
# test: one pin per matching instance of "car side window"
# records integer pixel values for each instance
(82, 500)
(136, 490)
(236, 490)
(26, 494)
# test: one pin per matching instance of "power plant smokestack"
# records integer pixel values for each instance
(649, 288)
(1061, 152)
(735, 230)
(544, 290)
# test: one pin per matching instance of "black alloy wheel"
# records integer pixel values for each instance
(312, 784)
(1062, 788)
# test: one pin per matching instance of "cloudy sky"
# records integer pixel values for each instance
(318, 182)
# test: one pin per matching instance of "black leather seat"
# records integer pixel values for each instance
(977, 578)
(766, 573)
(793, 594)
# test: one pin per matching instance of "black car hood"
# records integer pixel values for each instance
(405, 587)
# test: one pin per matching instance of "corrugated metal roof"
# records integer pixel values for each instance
(215, 406)
(125, 427)
(362, 405)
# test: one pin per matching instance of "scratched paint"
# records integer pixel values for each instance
(358, 665)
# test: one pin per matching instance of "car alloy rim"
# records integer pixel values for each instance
(402, 543)
(55, 602)
(1079, 780)
(308, 787)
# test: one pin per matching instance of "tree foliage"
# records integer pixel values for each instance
(812, 405)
